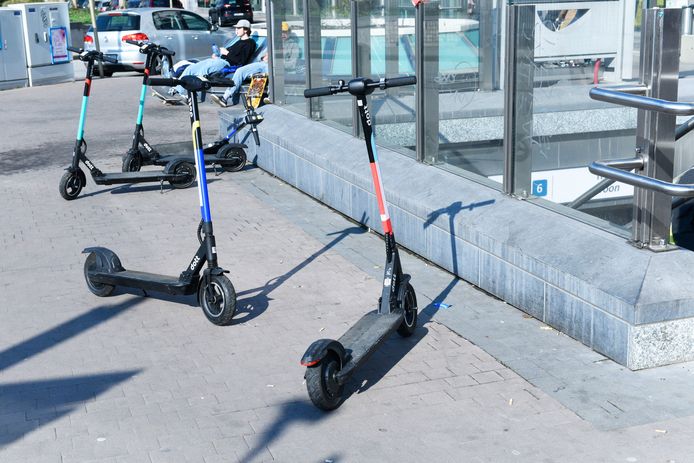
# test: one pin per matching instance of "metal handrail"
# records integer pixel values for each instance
(613, 170)
(642, 102)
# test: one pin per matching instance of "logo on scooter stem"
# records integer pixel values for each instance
(194, 264)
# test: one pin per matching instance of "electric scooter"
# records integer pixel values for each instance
(103, 270)
(179, 172)
(330, 363)
(231, 157)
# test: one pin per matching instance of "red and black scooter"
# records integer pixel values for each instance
(330, 363)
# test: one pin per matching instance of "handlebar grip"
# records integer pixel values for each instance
(319, 91)
(401, 81)
(220, 83)
(107, 59)
(166, 52)
(134, 42)
(162, 81)
(75, 50)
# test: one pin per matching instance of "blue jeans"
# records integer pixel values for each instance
(202, 68)
(241, 74)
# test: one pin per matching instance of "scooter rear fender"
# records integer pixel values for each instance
(106, 259)
(320, 349)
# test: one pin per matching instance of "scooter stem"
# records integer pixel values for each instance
(365, 117)
(85, 99)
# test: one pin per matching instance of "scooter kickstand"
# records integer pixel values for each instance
(161, 186)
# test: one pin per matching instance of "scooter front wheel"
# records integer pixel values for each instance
(71, 184)
(408, 303)
(100, 289)
(232, 158)
(322, 385)
(217, 299)
(187, 172)
(132, 162)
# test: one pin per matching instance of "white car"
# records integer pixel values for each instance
(186, 33)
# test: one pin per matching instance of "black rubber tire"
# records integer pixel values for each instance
(409, 306)
(106, 73)
(100, 289)
(217, 299)
(184, 167)
(236, 158)
(132, 162)
(71, 184)
(321, 384)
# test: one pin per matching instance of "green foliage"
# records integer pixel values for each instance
(80, 15)
(10, 2)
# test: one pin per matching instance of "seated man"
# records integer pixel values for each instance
(232, 94)
(237, 55)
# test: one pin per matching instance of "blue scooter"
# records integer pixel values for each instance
(216, 296)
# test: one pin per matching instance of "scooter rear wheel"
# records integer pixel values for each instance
(217, 299)
(188, 171)
(321, 383)
(132, 162)
(234, 158)
(71, 184)
(100, 289)
(408, 303)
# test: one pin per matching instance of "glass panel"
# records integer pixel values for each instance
(332, 19)
(468, 82)
(575, 49)
(386, 37)
(289, 60)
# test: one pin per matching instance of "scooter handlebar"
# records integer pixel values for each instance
(163, 81)
(145, 47)
(400, 81)
(91, 55)
(360, 86)
(320, 91)
(190, 83)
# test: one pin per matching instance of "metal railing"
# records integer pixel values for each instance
(656, 131)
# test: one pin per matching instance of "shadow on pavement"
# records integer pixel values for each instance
(250, 307)
(63, 332)
(27, 406)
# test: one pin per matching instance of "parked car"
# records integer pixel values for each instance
(160, 4)
(184, 32)
(102, 5)
(229, 12)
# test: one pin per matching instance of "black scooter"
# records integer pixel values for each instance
(179, 172)
(231, 157)
(103, 270)
(329, 363)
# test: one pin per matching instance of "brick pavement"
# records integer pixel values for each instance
(134, 379)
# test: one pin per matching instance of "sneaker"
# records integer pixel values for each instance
(172, 92)
(220, 100)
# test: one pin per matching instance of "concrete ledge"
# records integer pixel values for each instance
(633, 306)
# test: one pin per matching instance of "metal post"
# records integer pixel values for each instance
(518, 99)
(312, 50)
(427, 69)
(275, 14)
(655, 132)
(489, 45)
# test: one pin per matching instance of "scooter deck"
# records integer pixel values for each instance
(135, 177)
(364, 337)
(146, 280)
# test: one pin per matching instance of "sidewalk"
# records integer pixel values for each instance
(134, 379)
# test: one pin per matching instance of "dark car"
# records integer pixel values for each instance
(229, 12)
(161, 4)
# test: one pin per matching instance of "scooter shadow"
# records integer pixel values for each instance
(189, 300)
(394, 349)
(134, 187)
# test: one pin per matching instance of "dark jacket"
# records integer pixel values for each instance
(240, 52)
